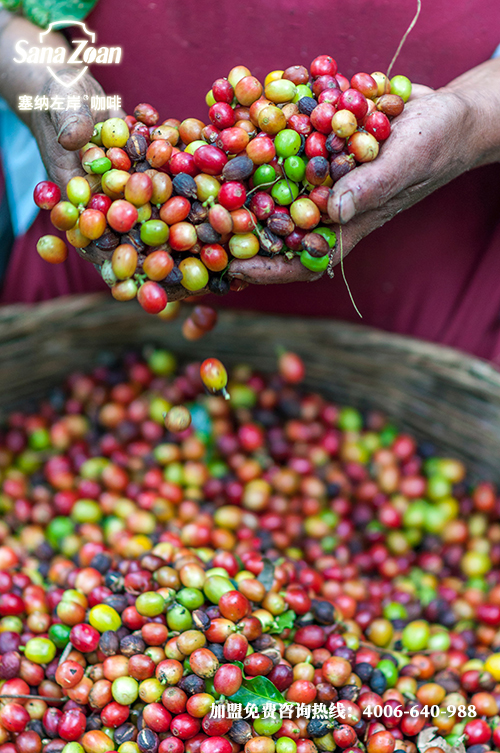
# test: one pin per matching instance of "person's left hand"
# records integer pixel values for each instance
(429, 145)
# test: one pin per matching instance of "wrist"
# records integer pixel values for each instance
(478, 92)
(15, 79)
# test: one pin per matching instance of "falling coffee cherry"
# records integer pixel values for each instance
(291, 368)
(214, 376)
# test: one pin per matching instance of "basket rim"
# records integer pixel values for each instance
(19, 319)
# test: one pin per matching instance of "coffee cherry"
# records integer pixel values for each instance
(222, 91)
(244, 246)
(401, 87)
(323, 65)
(46, 195)
(214, 257)
(52, 249)
(280, 91)
(305, 213)
(152, 297)
(271, 120)
(124, 291)
(124, 261)
(101, 202)
(158, 265)
(154, 232)
(213, 375)
(113, 183)
(232, 195)
(210, 160)
(287, 143)
(341, 165)
(194, 274)
(237, 73)
(315, 245)
(344, 123)
(146, 114)
(284, 192)
(139, 189)
(321, 117)
(378, 125)
(390, 104)
(114, 132)
(122, 216)
(78, 191)
(64, 215)
(363, 146)
(92, 223)
(222, 115)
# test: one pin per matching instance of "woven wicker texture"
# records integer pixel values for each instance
(439, 394)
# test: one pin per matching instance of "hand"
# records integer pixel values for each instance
(420, 155)
(386, 177)
(262, 270)
(427, 148)
(60, 134)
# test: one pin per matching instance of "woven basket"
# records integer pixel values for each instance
(439, 394)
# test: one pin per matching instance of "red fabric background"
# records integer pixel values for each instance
(433, 271)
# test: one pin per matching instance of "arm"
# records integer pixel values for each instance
(439, 135)
(59, 133)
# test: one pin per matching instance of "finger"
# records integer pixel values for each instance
(178, 292)
(262, 270)
(63, 167)
(419, 90)
(364, 224)
(73, 128)
(371, 185)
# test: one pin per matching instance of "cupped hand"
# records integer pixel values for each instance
(427, 148)
(61, 133)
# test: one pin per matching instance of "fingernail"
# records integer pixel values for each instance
(67, 123)
(347, 210)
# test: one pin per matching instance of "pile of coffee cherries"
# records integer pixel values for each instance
(172, 203)
(281, 552)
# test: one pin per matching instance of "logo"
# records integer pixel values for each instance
(83, 54)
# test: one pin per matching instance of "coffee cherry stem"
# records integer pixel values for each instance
(67, 650)
(261, 186)
(403, 40)
(343, 273)
(210, 202)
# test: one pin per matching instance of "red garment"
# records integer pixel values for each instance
(433, 271)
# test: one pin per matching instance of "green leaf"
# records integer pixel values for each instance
(43, 12)
(283, 621)
(257, 690)
(266, 577)
(10, 4)
(244, 696)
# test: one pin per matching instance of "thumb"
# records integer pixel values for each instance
(73, 129)
(367, 187)
(373, 184)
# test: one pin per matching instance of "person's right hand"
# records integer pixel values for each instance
(61, 133)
